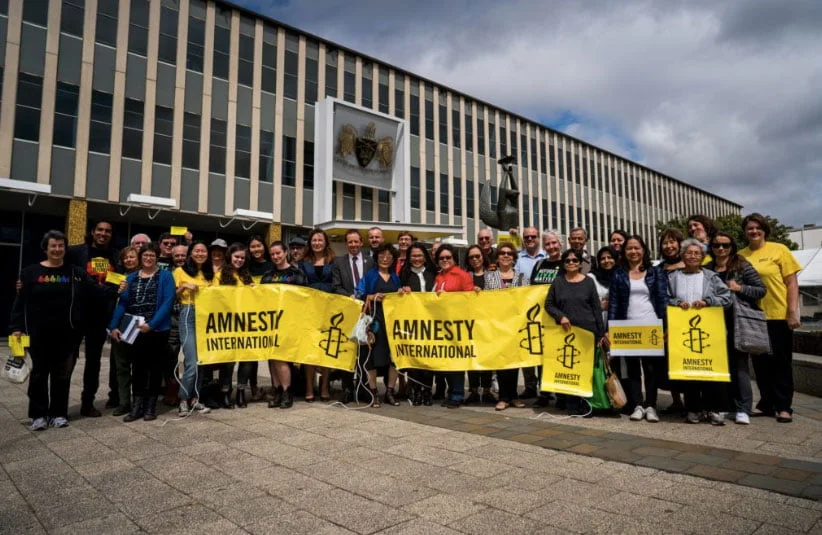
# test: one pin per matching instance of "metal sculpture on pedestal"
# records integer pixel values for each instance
(506, 214)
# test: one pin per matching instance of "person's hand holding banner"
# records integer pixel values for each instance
(568, 363)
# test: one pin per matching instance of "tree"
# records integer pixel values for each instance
(732, 224)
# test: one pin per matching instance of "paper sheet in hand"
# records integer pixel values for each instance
(130, 327)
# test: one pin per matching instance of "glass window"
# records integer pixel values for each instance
(383, 90)
(399, 96)
(429, 119)
(311, 73)
(266, 156)
(100, 127)
(533, 153)
(106, 28)
(308, 165)
(503, 141)
(415, 187)
(480, 134)
(469, 128)
(430, 191)
(222, 51)
(443, 123)
(245, 67)
(27, 113)
(216, 154)
(455, 123)
(469, 198)
(163, 134)
(289, 161)
(415, 115)
(133, 129)
(458, 196)
(196, 44)
(291, 64)
(367, 85)
(71, 17)
(349, 86)
(167, 49)
(65, 114)
(331, 73)
(542, 160)
(492, 139)
(443, 194)
(523, 151)
(36, 12)
(242, 152)
(191, 140)
(269, 79)
(138, 27)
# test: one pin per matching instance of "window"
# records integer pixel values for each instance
(71, 17)
(469, 129)
(415, 115)
(167, 49)
(242, 152)
(36, 13)
(455, 124)
(577, 178)
(106, 27)
(492, 139)
(266, 156)
(65, 115)
(523, 151)
(27, 117)
(138, 27)
(443, 194)
(553, 160)
(480, 136)
(469, 199)
(542, 160)
(245, 66)
(429, 119)
(430, 191)
(443, 123)
(291, 64)
(383, 90)
(457, 196)
(196, 44)
(100, 128)
(534, 153)
(367, 85)
(349, 86)
(163, 134)
(222, 51)
(331, 73)
(289, 161)
(133, 129)
(308, 165)
(216, 154)
(399, 96)
(191, 141)
(415, 187)
(311, 83)
(269, 78)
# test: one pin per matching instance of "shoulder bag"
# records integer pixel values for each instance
(750, 328)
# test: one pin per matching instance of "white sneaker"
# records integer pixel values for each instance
(184, 410)
(199, 407)
(651, 415)
(742, 418)
(58, 422)
(638, 413)
(716, 418)
(39, 424)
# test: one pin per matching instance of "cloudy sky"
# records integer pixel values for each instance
(723, 95)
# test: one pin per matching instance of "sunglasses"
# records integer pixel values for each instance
(475, 257)
(448, 258)
(530, 237)
(485, 238)
(169, 243)
(721, 245)
(572, 261)
(505, 253)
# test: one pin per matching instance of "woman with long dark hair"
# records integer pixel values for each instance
(259, 262)
(417, 275)
(476, 263)
(195, 274)
(671, 260)
(617, 240)
(638, 292)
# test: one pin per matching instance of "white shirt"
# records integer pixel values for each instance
(639, 301)
(356, 260)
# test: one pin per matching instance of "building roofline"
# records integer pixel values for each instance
(347, 49)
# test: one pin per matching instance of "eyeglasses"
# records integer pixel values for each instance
(530, 237)
(484, 238)
(505, 253)
(475, 257)
(572, 261)
(447, 258)
(721, 245)
(168, 243)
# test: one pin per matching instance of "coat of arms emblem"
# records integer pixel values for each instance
(365, 146)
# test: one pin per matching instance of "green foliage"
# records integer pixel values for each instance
(732, 224)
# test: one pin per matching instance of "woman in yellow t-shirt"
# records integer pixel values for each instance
(196, 274)
(235, 273)
(777, 267)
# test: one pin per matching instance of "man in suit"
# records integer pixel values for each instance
(346, 272)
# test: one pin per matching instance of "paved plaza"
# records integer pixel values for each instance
(423, 470)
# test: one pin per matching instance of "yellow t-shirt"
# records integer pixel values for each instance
(773, 262)
(187, 297)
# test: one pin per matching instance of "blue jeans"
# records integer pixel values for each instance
(188, 339)
(456, 385)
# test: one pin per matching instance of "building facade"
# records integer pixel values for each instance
(213, 106)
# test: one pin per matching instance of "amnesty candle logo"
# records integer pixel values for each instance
(533, 331)
(697, 349)
(695, 337)
(568, 354)
(334, 337)
(568, 368)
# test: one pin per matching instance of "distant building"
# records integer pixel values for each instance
(807, 237)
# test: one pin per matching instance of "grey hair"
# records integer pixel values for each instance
(148, 240)
(579, 229)
(691, 242)
(547, 233)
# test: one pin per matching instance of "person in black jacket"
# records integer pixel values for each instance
(97, 258)
(49, 308)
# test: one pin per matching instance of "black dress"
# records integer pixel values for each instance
(381, 352)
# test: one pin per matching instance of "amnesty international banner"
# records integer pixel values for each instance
(636, 338)
(568, 363)
(459, 331)
(696, 345)
(276, 321)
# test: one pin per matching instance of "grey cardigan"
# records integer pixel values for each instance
(493, 281)
(714, 292)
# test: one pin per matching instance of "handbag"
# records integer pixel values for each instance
(612, 385)
(599, 399)
(361, 330)
(750, 328)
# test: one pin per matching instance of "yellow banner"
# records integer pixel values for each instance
(636, 338)
(276, 321)
(457, 331)
(696, 345)
(568, 363)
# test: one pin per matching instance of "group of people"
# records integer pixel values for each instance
(72, 296)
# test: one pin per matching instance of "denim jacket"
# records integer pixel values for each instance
(620, 291)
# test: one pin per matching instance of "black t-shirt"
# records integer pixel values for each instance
(165, 263)
(479, 280)
(289, 275)
(45, 300)
(545, 271)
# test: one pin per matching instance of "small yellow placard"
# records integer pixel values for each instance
(115, 278)
(636, 338)
(515, 239)
(18, 345)
(178, 231)
(697, 350)
(568, 362)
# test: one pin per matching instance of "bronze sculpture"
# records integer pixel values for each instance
(506, 215)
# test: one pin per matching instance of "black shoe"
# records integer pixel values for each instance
(137, 410)
(347, 396)
(288, 399)
(528, 393)
(226, 401)
(473, 397)
(241, 403)
(150, 407)
(89, 411)
(439, 393)
(426, 397)
(415, 396)
(451, 404)
(113, 403)
(277, 399)
(389, 398)
(542, 402)
(562, 403)
(121, 410)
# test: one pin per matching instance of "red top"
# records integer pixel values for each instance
(455, 279)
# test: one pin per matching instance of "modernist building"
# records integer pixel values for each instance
(212, 106)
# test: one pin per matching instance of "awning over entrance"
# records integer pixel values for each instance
(336, 229)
